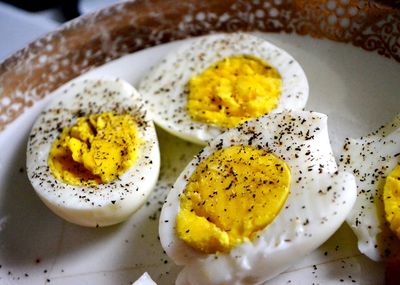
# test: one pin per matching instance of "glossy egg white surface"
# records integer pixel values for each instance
(320, 199)
(371, 158)
(108, 203)
(164, 86)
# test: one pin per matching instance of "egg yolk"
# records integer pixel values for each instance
(234, 90)
(391, 200)
(97, 149)
(233, 194)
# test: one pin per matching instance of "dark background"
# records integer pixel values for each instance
(68, 8)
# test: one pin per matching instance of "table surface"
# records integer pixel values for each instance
(18, 27)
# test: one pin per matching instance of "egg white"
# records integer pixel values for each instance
(320, 199)
(164, 86)
(109, 203)
(371, 159)
(145, 279)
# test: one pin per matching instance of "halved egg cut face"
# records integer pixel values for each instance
(256, 200)
(234, 90)
(92, 154)
(373, 159)
(391, 199)
(97, 149)
(234, 193)
(218, 81)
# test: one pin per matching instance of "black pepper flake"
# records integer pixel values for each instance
(220, 144)
(229, 186)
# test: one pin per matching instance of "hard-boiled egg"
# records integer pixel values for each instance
(257, 199)
(216, 82)
(374, 160)
(92, 154)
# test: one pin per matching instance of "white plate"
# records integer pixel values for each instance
(357, 89)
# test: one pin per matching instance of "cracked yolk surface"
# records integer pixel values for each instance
(97, 149)
(234, 90)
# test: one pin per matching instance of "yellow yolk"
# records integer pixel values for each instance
(97, 149)
(233, 194)
(234, 90)
(391, 200)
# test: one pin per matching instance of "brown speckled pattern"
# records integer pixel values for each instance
(95, 39)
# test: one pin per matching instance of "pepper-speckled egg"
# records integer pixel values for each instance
(372, 159)
(215, 82)
(319, 199)
(61, 150)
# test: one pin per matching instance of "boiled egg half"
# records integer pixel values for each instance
(375, 219)
(92, 154)
(219, 81)
(257, 199)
